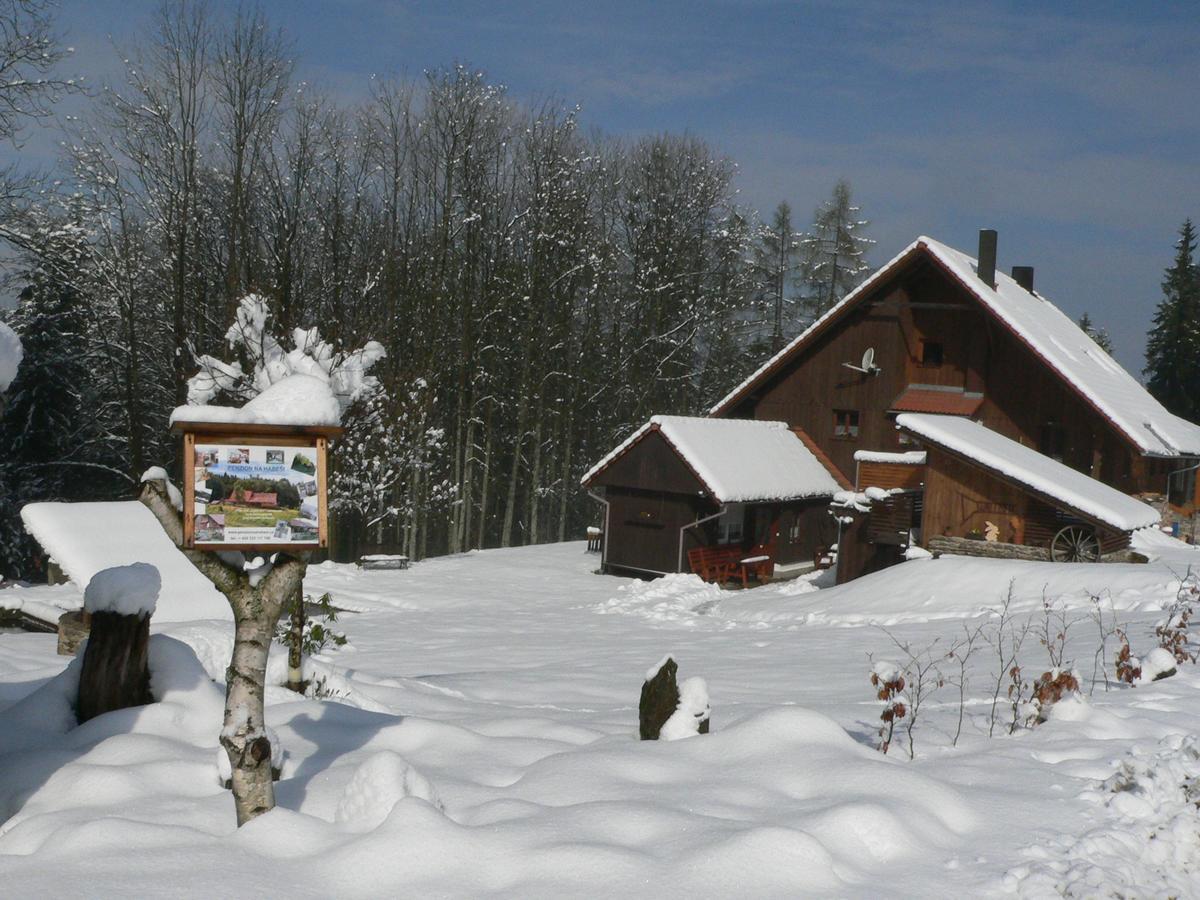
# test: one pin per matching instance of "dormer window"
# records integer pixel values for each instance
(931, 353)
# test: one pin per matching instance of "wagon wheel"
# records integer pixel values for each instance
(1075, 543)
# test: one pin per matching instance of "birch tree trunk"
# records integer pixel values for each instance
(256, 611)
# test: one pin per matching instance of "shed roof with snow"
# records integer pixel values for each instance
(86, 538)
(737, 460)
(1044, 329)
(1026, 467)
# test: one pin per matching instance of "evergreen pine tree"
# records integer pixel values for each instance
(774, 266)
(1173, 345)
(1099, 335)
(834, 252)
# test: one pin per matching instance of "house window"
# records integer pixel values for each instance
(845, 424)
(931, 353)
(730, 532)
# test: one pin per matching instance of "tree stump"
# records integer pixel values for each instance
(115, 674)
(660, 697)
(72, 631)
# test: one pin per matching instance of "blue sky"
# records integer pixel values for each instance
(1069, 127)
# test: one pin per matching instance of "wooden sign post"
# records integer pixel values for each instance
(253, 487)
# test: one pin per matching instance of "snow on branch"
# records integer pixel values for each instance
(265, 362)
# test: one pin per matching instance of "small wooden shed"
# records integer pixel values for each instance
(972, 490)
(977, 480)
(681, 483)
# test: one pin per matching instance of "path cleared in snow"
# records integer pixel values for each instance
(484, 741)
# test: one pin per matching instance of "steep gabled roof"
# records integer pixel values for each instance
(737, 460)
(1045, 330)
(1024, 466)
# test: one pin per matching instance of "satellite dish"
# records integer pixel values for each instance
(868, 366)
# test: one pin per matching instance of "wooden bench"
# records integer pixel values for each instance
(595, 538)
(823, 558)
(719, 564)
(383, 561)
(715, 564)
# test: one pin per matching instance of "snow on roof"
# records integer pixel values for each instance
(87, 538)
(1026, 466)
(907, 458)
(1053, 336)
(301, 400)
(1067, 348)
(10, 356)
(739, 460)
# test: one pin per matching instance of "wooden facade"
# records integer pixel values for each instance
(961, 498)
(927, 329)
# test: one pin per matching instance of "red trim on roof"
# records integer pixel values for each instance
(925, 400)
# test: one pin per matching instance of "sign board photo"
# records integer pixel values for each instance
(255, 494)
(261, 489)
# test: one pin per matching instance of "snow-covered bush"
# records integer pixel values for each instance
(316, 635)
(263, 361)
(1049, 688)
(1129, 667)
(1172, 632)
(888, 680)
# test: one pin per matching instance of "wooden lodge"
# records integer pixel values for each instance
(725, 498)
(934, 337)
(935, 331)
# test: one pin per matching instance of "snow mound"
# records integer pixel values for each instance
(692, 709)
(1158, 663)
(678, 597)
(377, 785)
(926, 590)
(10, 356)
(125, 590)
(1148, 841)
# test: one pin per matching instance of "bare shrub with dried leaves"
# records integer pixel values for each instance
(888, 681)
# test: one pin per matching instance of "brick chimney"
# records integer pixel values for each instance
(987, 256)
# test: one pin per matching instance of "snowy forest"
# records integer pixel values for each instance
(539, 289)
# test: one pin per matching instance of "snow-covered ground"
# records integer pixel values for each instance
(482, 740)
